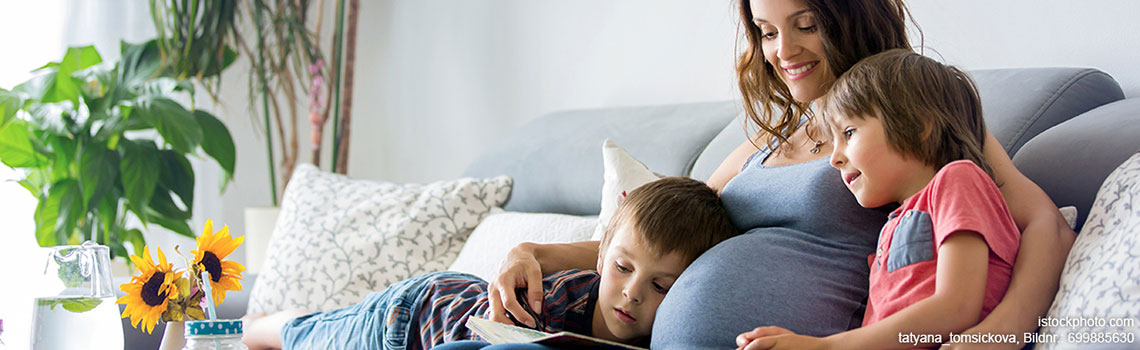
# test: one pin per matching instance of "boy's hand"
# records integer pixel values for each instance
(519, 270)
(747, 337)
(763, 338)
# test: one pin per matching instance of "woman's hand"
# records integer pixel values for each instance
(519, 270)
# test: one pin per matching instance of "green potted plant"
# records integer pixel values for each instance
(99, 142)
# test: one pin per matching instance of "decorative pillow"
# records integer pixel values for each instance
(1070, 215)
(337, 239)
(503, 230)
(623, 173)
(1100, 285)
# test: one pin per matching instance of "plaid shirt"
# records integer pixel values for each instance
(450, 298)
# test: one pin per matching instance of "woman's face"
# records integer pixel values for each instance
(793, 46)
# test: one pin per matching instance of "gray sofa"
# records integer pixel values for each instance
(1065, 128)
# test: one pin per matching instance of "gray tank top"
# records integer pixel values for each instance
(807, 197)
(801, 263)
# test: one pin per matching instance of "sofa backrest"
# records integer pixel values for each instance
(556, 159)
(1071, 160)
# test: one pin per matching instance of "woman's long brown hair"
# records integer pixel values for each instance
(850, 30)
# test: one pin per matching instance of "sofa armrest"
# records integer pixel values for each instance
(1071, 160)
(234, 307)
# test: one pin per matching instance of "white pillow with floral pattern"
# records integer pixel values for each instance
(338, 239)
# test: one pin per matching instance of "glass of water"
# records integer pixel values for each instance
(75, 301)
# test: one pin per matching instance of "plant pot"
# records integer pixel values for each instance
(174, 337)
(259, 224)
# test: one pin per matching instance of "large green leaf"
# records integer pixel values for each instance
(217, 142)
(135, 237)
(178, 176)
(178, 226)
(139, 172)
(228, 58)
(163, 86)
(65, 87)
(139, 63)
(108, 212)
(98, 168)
(10, 103)
(55, 118)
(16, 148)
(58, 213)
(64, 164)
(163, 205)
(36, 87)
(174, 123)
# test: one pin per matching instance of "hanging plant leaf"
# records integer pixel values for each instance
(217, 143)
(176, 125)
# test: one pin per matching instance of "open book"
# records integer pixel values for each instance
(498, 333)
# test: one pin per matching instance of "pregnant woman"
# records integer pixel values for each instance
(802, 263)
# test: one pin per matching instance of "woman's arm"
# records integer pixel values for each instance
(1045, 243)
(524, 267)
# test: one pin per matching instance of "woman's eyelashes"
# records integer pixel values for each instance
(768, 34)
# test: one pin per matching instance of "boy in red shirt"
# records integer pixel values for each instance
(909, 130)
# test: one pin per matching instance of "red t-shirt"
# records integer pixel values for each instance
(961, 197)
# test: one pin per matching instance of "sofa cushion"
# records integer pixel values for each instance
(556, 166)
(338, 239)
(1101, 279)
(503, 230)
(1071, 160)
(1020, 103)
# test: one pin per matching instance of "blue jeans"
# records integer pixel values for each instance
(379, 322)
(479, 345)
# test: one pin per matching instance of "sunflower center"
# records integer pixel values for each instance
(151, 288)
(212, 265)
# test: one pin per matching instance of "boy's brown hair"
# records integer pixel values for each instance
(930, 111)
(673, 214)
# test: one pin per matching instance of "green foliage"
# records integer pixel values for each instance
(76, 305)
(100, 141)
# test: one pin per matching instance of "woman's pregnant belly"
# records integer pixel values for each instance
(765, 277)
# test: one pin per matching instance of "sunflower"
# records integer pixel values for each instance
(212, 248)
(149, 292)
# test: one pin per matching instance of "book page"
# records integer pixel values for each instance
(498, 333)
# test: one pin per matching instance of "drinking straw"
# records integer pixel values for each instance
(210, 310)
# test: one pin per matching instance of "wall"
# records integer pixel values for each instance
(1102, 34)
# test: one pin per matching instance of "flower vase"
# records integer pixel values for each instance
(174, 337)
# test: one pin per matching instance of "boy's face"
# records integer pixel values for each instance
(875, 172)
(633, 283)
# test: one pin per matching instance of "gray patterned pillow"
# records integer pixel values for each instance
(1101, 280)
(337, 239)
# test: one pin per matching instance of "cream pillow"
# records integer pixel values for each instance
(503, 230)
(623, 173)
(1101, 279)
(337, 239)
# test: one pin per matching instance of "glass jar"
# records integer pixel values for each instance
(214, 335)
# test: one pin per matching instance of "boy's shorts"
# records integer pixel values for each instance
(379, 322)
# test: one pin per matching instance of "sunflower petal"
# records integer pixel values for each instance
(161, 257)
(224, 249)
